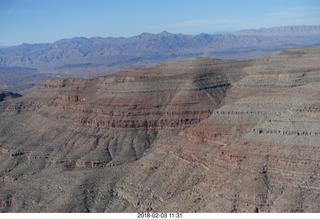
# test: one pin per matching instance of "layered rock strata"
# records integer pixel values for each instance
(200, 135)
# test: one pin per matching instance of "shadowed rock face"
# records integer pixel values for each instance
(200, 135)
(4, 95)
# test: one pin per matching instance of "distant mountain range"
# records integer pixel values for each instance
(283, 30)
(113, 54)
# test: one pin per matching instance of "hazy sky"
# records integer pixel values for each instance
(38, 21)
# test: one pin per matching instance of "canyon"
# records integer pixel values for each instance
(195, 135)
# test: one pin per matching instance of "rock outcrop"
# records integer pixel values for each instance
(201, 135)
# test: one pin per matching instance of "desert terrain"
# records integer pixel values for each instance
(196, 135)
(26, 66)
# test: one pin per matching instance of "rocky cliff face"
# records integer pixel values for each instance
(200, 135)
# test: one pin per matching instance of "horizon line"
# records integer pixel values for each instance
(157, 33)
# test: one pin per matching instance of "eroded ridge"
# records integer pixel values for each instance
(200, 135)
(176, 95)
